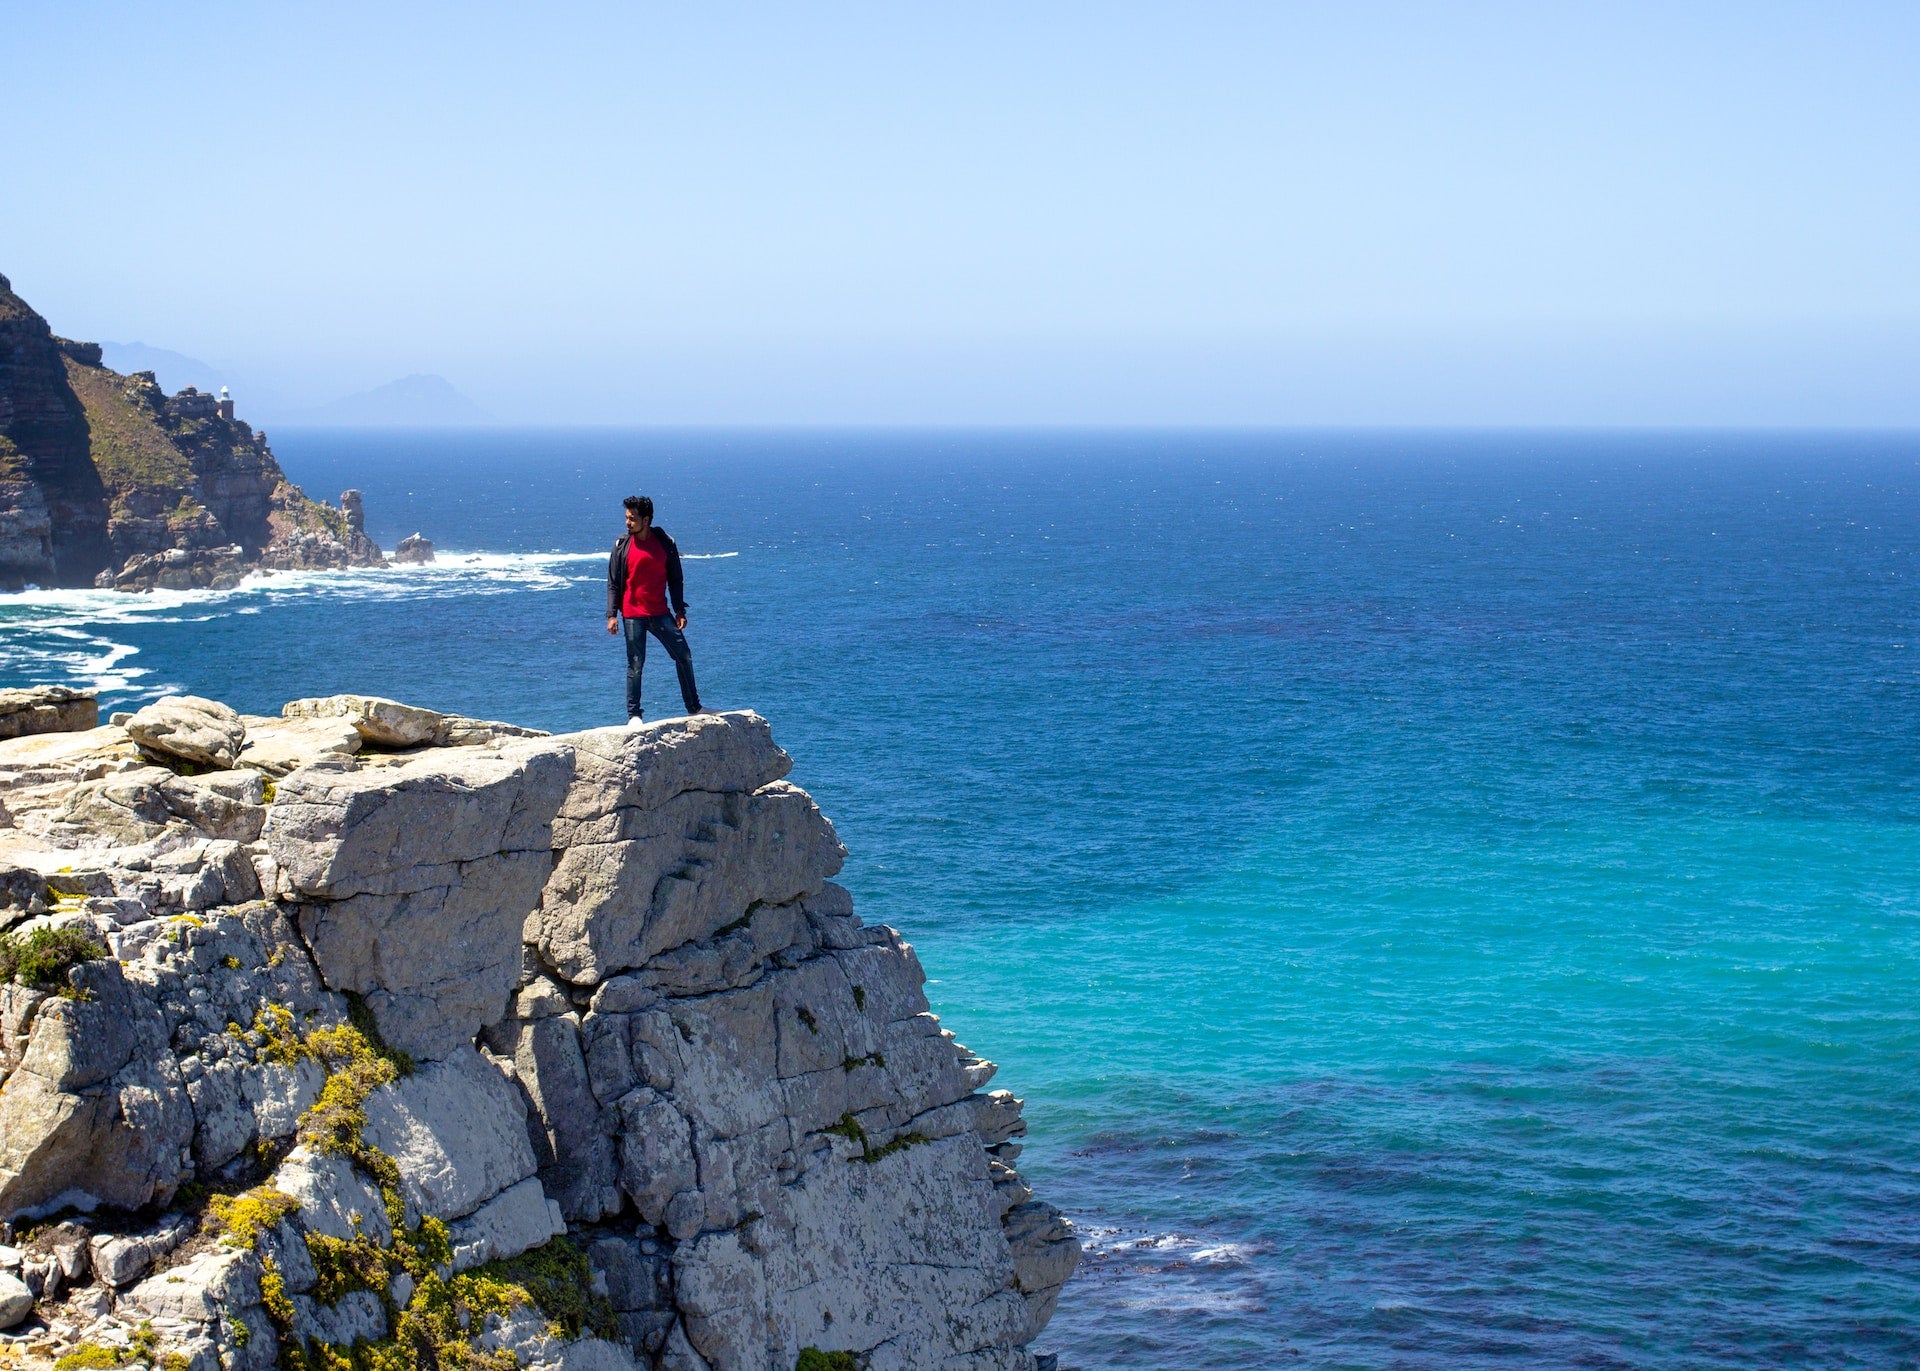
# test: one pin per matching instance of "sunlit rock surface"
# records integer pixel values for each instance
(374, 1023)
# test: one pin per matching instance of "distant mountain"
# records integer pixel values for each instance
(173, 370)
(420, 400)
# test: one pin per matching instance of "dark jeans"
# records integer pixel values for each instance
(675, 642)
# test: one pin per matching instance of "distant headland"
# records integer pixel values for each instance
(107, 481)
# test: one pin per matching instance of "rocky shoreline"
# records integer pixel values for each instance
(107, 481)
(373, 1036)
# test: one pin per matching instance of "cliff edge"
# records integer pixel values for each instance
(106, 481)
(374, 1037)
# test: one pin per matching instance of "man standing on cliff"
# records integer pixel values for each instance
(642, 573)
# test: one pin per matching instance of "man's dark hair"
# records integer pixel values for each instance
(640, 505)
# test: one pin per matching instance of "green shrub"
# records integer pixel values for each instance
(90, 1356)
(813, 1359)
(44, 956)
(557, 1278)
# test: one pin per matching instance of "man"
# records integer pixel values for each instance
(642, 573)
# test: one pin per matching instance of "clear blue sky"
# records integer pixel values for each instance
(991, 213)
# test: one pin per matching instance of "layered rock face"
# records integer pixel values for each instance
(371, 1025)
(105, 480)
(53, 504)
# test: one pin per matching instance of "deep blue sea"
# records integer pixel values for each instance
(1447, 900)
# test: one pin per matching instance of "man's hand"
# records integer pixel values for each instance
(613, 623)
(680, 622)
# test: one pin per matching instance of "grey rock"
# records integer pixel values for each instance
(461, 731)
(380, 722)
(413, 550)
(656, 1153)
(664, 877)
(213, 805)
(1045, 1249)
(996, 1117)
(96, 1112)
(276, 747)
(204, 732)
(526, 1334)
(572, 1137)
(16, 1301)
(415, 881)
(519, 1217)
(680, 1011)
(85, 1305)
(542, 998)
(408, 828)
(335, 1199)
(129, 809)
(358, 1315)
(643, 768)
(47, 709)
(458, 1131)
(66, 1243)
(635, 1278)
(197, 1291)
(121, 1258)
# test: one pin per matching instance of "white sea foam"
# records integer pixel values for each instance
(1173, 1272)
(68, 635)
(1178, 1247)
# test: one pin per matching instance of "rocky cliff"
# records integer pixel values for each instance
(106, 481)
(373, 1037)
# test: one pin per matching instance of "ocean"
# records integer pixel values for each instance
(1447, 899)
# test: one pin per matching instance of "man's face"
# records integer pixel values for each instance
(637, 523)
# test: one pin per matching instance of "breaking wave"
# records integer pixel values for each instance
(69, 635)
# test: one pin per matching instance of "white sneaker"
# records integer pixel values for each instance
(634, 721)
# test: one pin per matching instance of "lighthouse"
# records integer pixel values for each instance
(226, 404)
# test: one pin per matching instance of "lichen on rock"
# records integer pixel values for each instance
(467, 1046)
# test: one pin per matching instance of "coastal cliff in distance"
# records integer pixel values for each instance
(374, 1037)
(105, 480)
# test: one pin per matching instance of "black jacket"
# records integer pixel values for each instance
(617, 575)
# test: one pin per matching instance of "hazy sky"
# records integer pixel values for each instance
(990, 213)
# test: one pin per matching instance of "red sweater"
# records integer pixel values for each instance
(646, 589)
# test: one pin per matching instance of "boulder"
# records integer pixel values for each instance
(189, 729)
(519, 1217)
(413, 550)
(278, 746)
(380, 722)
(16, 1301)
(122, 1258)
(46, 709)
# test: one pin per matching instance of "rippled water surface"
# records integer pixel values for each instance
(1447, 901)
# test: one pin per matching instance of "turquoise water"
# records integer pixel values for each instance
(1446, 900)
